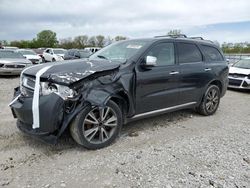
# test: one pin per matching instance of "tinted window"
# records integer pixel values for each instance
(211, 53)
(188, 53)
(164, 52)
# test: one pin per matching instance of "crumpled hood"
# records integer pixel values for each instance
(14, 60)
(68, 72)
(239, 70)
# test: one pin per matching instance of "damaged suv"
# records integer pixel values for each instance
(122, 82)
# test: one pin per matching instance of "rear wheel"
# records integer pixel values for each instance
(97, 127)
(53, 60)
(210, 101)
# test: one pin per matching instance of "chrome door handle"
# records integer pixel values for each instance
(208, 69)
(174, 73)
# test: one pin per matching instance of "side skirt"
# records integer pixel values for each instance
(160, 111)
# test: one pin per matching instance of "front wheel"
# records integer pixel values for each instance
(97, 127)
(210, 101)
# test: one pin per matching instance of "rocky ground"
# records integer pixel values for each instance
(180, 149)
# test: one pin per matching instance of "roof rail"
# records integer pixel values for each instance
(173, 36)
(197, 38)
(184, 36)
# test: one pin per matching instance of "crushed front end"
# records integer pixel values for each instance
(54, 108)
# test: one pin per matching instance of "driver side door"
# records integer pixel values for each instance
(157, 87)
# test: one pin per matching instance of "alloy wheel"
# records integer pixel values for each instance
(212, 100)
(100, 124)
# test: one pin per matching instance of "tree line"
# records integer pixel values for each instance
(48, 38)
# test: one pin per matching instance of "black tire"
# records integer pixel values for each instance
(53, 60)
(81, 122)
(210, 101)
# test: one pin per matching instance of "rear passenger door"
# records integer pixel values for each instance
(192, 78)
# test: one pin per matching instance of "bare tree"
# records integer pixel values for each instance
(100, 40)
(117, 38)
(81, 41)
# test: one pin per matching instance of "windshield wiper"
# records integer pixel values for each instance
(102, 57)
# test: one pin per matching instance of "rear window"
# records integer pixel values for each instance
(211, 53)
(188, 53)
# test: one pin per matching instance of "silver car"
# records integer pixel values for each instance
(12, 63)
(239, 75)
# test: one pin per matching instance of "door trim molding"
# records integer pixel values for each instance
(162, 110)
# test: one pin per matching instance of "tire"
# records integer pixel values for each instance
(53, 60)
(95, 133)
(210, 101)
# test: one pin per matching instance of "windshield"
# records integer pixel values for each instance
(27, 52)
(120, 50)
(244, 64)
(59, 51)
(10, 54)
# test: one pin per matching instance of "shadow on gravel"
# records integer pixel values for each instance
(240, 90)
(152, 123)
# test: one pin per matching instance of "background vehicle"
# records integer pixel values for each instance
(10, 48)
(76, 54)
(39, 51)
(53, 54)
(12, 63)
(122, 82)
(31, 55)
(92, 49)
(239, 74)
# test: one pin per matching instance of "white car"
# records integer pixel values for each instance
(53, 54)
(31, 55)
(239, 75)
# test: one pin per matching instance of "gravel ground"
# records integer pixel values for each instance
(180, 149)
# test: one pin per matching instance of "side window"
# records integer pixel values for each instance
(211, 53)
(164, 52)
(188, 53)
(47, 51)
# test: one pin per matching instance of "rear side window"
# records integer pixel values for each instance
(188, 53)
(164, 52)
(211, 53)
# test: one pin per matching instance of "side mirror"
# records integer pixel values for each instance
(150, 61)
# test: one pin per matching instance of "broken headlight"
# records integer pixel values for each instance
(63, 91)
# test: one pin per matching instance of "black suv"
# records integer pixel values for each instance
(122, 82)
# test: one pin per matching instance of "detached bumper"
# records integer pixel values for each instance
(51, 113)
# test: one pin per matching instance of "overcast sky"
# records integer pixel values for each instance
(222, 20)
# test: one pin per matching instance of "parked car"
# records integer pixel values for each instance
(123, 82)
(12, 63)
(39, 51)
(31, 55)
(239, 74)
(76, 54)
(53, 54)
(92, 49)
(10, 48)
